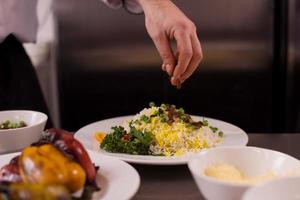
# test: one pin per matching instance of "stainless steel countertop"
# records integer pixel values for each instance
(176, 182)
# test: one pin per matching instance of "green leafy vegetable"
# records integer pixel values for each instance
(145, 119)
(12, 125)
(137, 142)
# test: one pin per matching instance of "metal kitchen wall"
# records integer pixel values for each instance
(296, 66)
(108, 65)
(293, 69)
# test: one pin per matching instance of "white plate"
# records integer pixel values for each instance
(117, 179)
(233, 136)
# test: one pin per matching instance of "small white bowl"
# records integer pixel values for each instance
(252, 161)
(12, 140)
(280, 189)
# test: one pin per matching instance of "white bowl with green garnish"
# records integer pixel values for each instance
(20, 128)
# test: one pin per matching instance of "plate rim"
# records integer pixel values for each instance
(131, 159)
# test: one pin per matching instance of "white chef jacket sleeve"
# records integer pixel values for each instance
(131, 6)
(18, 17)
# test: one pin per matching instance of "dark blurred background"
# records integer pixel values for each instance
(250, 76)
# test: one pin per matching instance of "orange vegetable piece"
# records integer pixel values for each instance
(99, 136)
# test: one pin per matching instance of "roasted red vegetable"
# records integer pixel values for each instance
(56, 159)
(66, 142)
(10, 172)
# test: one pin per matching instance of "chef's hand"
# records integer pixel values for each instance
(165, 23)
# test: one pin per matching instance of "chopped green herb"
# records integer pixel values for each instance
(193, 127)
(138, 144)
(184, 118)
(145, 119)
(180, 111)
(163, 106)
(163, 118)
(151, 104)
(205, 122)
(214, 129)
(12, 125)
(221, 134)
(144, 137)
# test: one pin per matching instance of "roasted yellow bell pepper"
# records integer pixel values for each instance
(21, 191)
(47, 165)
